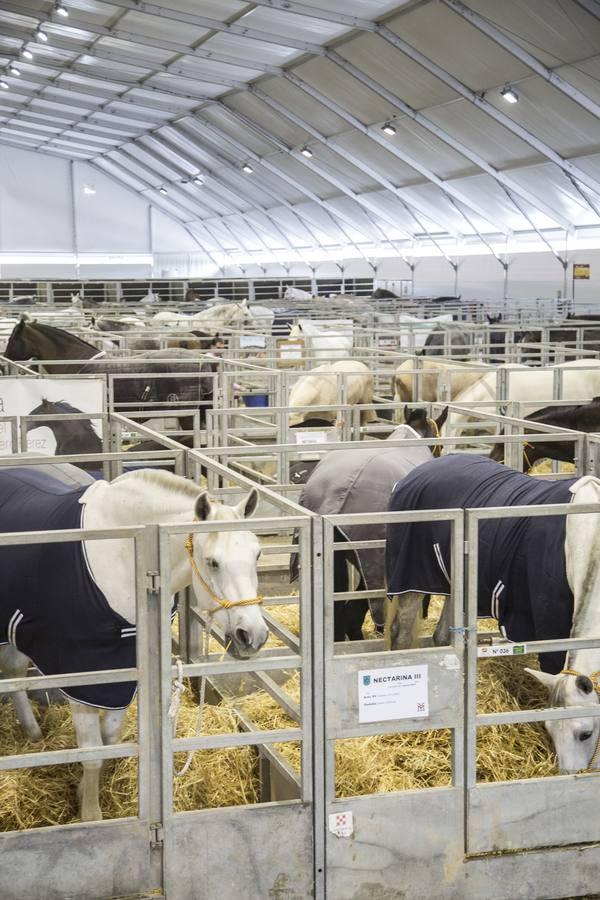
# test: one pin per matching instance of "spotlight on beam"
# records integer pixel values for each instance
(509, 94)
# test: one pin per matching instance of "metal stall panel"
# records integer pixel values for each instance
(533, 813)
(92, 860)
(257, 851)
(404, 844)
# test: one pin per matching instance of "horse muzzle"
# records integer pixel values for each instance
(244, 643)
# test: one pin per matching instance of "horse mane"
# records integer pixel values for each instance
(52, 332)
(162, 479)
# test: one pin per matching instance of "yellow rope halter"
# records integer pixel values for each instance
(222, 601)
(593, 676)
(527, 446)
(436, 451)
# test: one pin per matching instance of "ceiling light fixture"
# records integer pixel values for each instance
(197, 179)
(389, 128)
(25, 53)
(163, 190)
(14, 70)
(3, 85)
(89, 189)
(40, 35)
(306, 151)
(509, 94)
(61, 9)
(247, 168)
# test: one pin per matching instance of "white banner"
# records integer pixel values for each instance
(20, 396)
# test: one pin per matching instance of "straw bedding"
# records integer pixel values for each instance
(46, 796)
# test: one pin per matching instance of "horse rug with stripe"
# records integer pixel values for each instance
(51, 609)
(522, 580)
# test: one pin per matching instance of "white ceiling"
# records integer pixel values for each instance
(156, 94)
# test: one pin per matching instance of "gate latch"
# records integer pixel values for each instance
(157, 835)
(154, 582)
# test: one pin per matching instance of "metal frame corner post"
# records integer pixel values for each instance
(318, 730)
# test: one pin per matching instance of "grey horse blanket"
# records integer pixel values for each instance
(361, 481)
(50, 607)
(522, 578)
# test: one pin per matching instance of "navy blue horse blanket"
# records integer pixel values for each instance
(50, 607)
(522, 578)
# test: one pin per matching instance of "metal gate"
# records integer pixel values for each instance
(535, 838)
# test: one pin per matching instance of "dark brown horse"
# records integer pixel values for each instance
(33, 340)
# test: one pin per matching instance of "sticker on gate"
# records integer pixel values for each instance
(486, 651)
(400, 692)
(342, 824)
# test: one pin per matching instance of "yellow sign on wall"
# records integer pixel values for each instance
(581, 271)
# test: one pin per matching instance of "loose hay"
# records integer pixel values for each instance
(230, 777)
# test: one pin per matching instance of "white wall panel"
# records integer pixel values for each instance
(113, 220)
(35, 202)
(480, 278)
(434, 278)
(169, 236)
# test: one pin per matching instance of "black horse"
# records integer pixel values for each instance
(585, 417)
(72, 436)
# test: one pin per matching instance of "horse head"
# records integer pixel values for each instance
(575, 740)
(224, 574)
(19, 347)
(425, 426)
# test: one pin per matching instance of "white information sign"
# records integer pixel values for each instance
(253, 340)
(20, 396)
(312, 437)
(490, 650)
(291, 351)
(400, 692)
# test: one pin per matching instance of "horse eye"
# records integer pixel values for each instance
(212, 563)
(584, 735)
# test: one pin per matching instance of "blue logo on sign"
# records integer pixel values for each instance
(366, 680)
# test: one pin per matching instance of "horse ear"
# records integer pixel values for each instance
(544, 678)
(202, 507)
(248, 505)
(441, 420)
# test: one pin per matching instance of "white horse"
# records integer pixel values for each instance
(581, 381)
(322, 386)
(456, 376)
(292, 293)
(219, 566)
(327, 339)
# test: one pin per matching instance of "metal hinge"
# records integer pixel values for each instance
(153, 582)
(157, 835)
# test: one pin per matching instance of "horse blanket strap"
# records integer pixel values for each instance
(593, 676)
(522, 578)
(222, 601)
(50, 607)
(435, 451)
